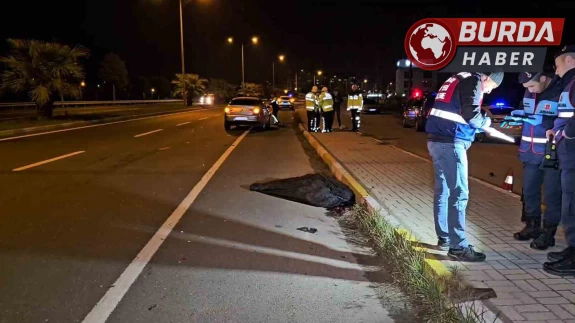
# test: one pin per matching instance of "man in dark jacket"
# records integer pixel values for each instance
(337, 100)
(455, 117)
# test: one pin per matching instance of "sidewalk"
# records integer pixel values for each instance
(403, 184)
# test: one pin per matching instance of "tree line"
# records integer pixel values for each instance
(47, 71)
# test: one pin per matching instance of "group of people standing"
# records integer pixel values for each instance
(548, 121)
(322, 107)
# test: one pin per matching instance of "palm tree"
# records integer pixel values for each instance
(192, 83)
(43, 70)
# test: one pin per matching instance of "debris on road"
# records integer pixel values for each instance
(308, 230)
(312, 189)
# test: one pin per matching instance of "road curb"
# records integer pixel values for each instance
(21, 131)
(362, 197)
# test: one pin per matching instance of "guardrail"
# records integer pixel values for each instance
(27, 105)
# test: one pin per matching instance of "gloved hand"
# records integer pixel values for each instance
(534, 119)
(518, 113)
(487, 123)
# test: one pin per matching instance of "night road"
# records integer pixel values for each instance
(87, 213)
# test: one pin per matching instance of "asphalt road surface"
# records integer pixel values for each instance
(489, 162)
(151, 221)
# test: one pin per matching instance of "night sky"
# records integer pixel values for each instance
(338, 37)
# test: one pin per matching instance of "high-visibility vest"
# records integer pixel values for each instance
(533, 137)
(325, 102)
(355, 101)
(310, 101)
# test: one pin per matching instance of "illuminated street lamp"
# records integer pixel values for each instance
(319, 73)
(255, 42)
(153, 90)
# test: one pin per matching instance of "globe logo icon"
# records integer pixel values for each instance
(429, 45)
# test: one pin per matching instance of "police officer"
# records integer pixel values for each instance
(455, 117)
(355, 105)
(562, 263)
(325, 102)
(310, 106)
(538, 114)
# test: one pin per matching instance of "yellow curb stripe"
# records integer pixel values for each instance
(361, 196)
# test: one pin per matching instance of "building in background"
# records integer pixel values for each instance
(424, 81)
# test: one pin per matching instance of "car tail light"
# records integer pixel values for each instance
(256, 110)
(227, 110)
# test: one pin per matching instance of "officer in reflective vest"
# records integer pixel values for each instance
(310, 106)
(455, 117)
(355, 104)
(562, 263)
(325, 102)
(538, 114)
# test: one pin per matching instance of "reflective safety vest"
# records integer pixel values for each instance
(325, 102)
(533, 138)
(355, 101)
(565, 111)
(444, 119)
(310, 101)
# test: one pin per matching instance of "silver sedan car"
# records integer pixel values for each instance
(247, 111)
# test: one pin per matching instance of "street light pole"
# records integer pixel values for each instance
(184, 96)
(243, 72)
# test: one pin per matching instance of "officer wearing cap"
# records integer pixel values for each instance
(562, 263)
(542, 93)
(451, 126)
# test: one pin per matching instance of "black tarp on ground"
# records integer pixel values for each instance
(312, 189)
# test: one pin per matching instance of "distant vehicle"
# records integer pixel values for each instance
(371, 106)
(207, 99)
(247, 111)
(286, 102)
(497, 113)
(416, 110)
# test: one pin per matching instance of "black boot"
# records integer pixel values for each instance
(531, 230)
(546, 238)
(563, 267)
(558, 255)
(523, 216)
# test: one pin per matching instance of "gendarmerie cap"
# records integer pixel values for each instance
(527, 76)
(565, 50)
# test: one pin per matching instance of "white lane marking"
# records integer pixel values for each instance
(165, 148)
(217, 115)
(181, 124)
(147, 133)
(102, 310)
(97, 125)
(47, 161)
(203, 118)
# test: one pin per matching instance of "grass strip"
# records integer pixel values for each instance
(430, 291)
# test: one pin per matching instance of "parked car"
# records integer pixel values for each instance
(286, 102)
(497, 113)
(247, 111)
(371, 106)
(416, 110)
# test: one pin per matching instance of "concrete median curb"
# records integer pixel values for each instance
(21, 131)
(362, 197)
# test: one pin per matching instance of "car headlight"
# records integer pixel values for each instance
(227, 110)
(256, 110)
(209, 101)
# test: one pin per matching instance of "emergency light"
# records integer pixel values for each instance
(499, 104)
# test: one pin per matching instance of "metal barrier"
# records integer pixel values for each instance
(58, 104)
